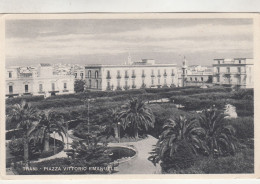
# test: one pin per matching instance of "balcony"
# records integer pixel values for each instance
(159, 75)
(152, 75)
(65, 90)
(173, 74)
(108, 77)
(165, 74)
(126, 76)
(143, 75)
(133, 76)
(133, 86)
(118, 76)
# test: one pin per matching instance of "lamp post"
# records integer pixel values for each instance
(118, 132)
(54, 149)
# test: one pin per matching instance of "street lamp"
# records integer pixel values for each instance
(118, 132)
(54, 142)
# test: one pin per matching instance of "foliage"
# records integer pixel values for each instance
(26, 116)
(18, 100)
(79, 85)
(137, 115)
(49, 122)
(244, 127)
(90, 152)
(179, 141)
(219, 136)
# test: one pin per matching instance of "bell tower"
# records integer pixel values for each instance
(184, 71)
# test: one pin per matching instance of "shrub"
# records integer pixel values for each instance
(244, 127)
(18, 100)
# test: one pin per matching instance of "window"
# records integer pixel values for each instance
(239, 61)
(108, 84)
(126, 74)
(228, 69)
(218, 62)
(10, 74)
(118, 73)
(159, 81)
(65, 85)
(89, 83)
(217, 69)
(238, 69)
(53, 87)
(89, 74)
(126, 83)
(81, 75)
(10, 89)
(40, 87)
(201, 78)
(108, 75)
(165, 81)
(190, 78)
(152, 81)
(152, 72)
(218, 79)
(97, 84)
(118, 83)
(26, 88)
(75, 75)
(196, 79)
(96, 74)
(159, 72)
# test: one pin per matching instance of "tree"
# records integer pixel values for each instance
(137, 115)
(179, 141)
(49, 122)
(219, 136)
(90, 152)
(26, 117)
(113, 125)
(79, 85)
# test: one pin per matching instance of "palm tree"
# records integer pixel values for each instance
(49, 122)
(180, 135)
(26, 117)
(219, 136)
(137, 115)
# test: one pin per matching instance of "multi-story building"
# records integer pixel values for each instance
(79, 73)
(194, 75)
(40, 80)
(143, 74)
(234, 72)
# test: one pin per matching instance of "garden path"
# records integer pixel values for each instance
(140, 164)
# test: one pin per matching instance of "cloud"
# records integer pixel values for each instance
(219, 38)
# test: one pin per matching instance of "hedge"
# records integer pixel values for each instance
(12, 101)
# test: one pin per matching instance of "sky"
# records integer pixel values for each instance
(108, 41)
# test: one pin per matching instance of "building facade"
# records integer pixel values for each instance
(234, 72)
(194, 75)
(79, 72)
(144, 74)
(39, 80)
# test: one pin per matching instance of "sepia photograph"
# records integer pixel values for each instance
(125, 94)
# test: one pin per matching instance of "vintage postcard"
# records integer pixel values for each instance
(148, 95)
